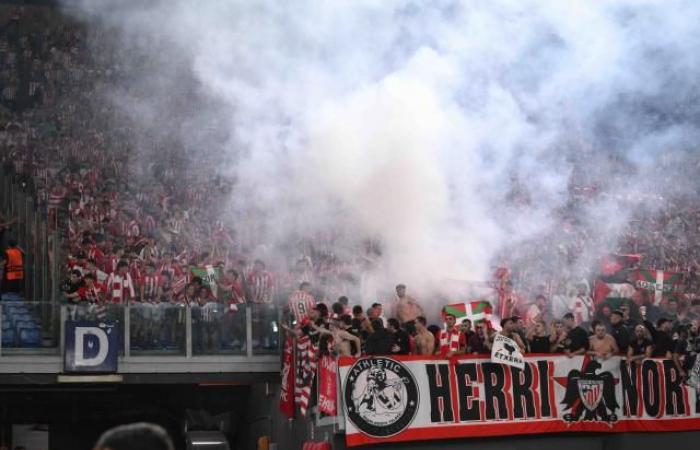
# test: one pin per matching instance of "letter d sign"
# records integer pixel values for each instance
(91, 347)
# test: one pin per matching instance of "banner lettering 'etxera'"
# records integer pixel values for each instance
(327, 386)
(415, 397)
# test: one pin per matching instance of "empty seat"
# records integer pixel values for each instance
(30, 337)
(8, 337)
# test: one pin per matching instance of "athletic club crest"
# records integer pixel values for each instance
(590, 396)
(381, 396)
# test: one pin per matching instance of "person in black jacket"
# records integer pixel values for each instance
(661, 336)
(402, 344)
(380, 341)
(619, 331)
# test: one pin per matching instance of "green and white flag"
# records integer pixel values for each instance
(210, 276)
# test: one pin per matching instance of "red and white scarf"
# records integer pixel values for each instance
(449, 341)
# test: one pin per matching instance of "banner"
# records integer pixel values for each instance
(506, 351)
(287, 386)
(327, 385)
(411, 398)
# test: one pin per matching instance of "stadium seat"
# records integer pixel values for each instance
(30, 337)
(8, 337)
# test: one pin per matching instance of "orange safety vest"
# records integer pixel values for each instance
(14, 267)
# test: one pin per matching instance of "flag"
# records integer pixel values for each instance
(506, 351)
(474, 310)
(613, 263)
(603, 290)
(286, 403)
(327, 385)
(661, 284)
(210, 276)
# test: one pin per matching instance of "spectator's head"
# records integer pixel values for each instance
(640, 332)
(568, 320)
(305, 286)
(518, 323)
(12, 242)
(450, 320)
(540, 328)
(541, 301)
(357, 312)
(466, 325)
(345, 321)
(135, 436)
(343, 300)
(616, 317)
(400, 290)
(672, 306)
(75, 276)
(421, 323)
(508, 325)
(89, 279)
(122, 268)
(605, 311)
(393, 325)
(377, 307)
(625, 310)
(682, 332)
(695, 307)
(258, 266)
(663, 324)
(338, 309)
(581, 289)
(694, 328)
(598, 329)
(191, 290)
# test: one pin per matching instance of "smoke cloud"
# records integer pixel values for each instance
(451, 132)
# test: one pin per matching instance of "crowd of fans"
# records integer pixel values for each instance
(151, 234)
(625, 331)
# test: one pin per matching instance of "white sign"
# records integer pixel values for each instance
(506, 351)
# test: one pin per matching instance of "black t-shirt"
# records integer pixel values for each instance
(622, 337)
(686, 348)
(639, 348)
(403, 341)
(576, 339)
(662, 343)
(539, 344)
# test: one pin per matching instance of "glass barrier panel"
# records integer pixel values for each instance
(29, 327)
(157, 329)
(218, 329)
(265, 324)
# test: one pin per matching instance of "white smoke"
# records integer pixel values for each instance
(412, 121)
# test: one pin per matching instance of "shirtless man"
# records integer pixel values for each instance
(407, 308)
(341, 337)
(601, 344)
(425, 341)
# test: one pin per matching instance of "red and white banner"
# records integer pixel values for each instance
(309, 445)
(328, 386)
(411, 398)
(287, 387)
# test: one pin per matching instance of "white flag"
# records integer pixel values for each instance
(506, 351)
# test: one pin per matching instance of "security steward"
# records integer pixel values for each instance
(13, 273)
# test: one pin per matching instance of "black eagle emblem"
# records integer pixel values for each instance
(590, 396)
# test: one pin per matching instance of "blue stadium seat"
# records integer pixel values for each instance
(21, 318)
(30, 337)
(8, 337)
